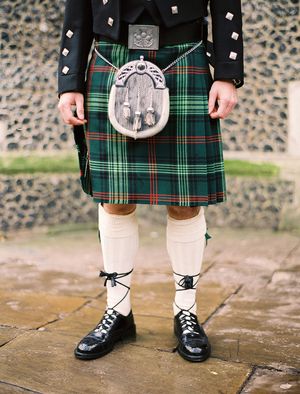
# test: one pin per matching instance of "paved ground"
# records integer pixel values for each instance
(248, 301)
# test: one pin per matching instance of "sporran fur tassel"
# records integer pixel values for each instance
(150, 117)
(150, 114)
(137, 122)
(126, 106)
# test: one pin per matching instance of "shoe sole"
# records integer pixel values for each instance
(129, 334)
(198, 359)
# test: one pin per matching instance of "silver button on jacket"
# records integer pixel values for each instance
(85, 18)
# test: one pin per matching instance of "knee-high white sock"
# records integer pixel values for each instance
(185, 245)
(119, 242)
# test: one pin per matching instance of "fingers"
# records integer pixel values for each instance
(224, 93)
(212, 100)
(79, 106)
(224, 109)
(67, 100)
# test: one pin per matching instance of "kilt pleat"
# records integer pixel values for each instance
(183, 164)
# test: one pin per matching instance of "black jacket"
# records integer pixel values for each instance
(84, 18)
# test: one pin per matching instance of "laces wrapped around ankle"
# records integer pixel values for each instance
(113, 277)
(187, 281)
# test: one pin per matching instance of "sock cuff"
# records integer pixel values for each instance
(187, 230)
(117, 226)
(101, 209)
(186, 222)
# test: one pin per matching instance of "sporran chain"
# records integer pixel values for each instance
(164, 69)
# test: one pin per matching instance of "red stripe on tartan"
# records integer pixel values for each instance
(101, 68)
(152, 56)
(160, 194)
(174, 70)
(161, 140)
(161, 197)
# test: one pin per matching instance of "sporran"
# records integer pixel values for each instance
(139, 103)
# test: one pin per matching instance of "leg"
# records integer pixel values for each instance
(118, 230)
(186, 240)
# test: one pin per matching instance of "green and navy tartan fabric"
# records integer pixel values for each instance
(183, 164)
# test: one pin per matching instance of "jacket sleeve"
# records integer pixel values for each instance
(76, 41)
(227, 40)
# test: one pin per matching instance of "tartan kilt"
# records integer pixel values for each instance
(183, 164)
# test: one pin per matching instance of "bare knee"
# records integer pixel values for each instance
(119, 209)
(181, 213)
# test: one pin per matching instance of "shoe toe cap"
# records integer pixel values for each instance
(89, 344)
(195, 347)
(198, 350)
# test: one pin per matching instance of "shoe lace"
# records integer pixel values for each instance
(187, 282)
(113, 277)
(188, 322)
(106, 322)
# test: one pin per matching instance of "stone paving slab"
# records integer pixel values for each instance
(267, 381)
(249, 246)
(6, 388)
(260, 328)
(8, 333)
(249, 258)
(31, 310)
(45, 363)
(21, 276)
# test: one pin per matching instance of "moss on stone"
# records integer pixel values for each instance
(62, 164)
(67, 163)
(247, 168)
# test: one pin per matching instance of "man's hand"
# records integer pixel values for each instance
(222, 99)
(66, 101)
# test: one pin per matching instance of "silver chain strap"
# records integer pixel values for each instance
(106, 60)
(182, 56)
(163, 70)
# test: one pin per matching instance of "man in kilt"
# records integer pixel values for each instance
(181, 167)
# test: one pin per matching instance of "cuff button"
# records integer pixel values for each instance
(229, 16)
(233, 55)
(69, 33)
(65, 52)
(65, 70)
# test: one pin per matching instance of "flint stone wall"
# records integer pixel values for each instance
(30, 31)
(57, 199)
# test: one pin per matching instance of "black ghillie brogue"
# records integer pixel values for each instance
(193, 344)
(112, 328)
